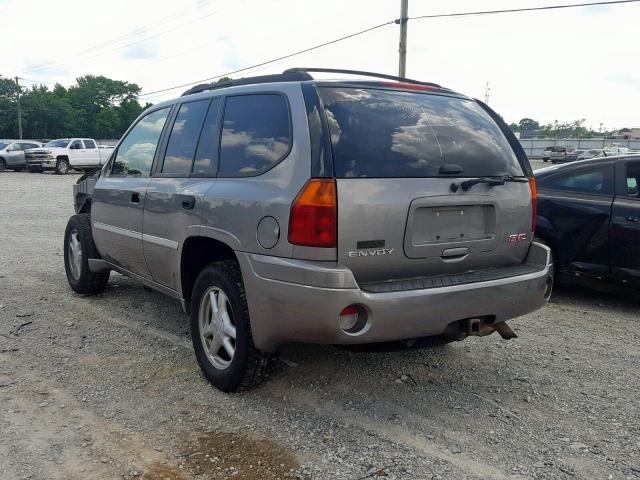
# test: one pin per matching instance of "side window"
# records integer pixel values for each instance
(135, 154)
(633, 180)
(205, 161)
(594, 181)
(76, 145)
(183, 140)
(256, 134)
(89, 144)
(16, 147)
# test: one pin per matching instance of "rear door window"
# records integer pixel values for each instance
(89, 144)
(593, 181)
(256, 134)
(633, 180)
(183, 140)
(207, 153)
(383, 133)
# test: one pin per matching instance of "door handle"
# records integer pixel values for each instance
(135, 197)
(187, 201)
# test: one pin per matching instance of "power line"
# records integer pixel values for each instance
(293, 54)
(397, 21)
(514, 10)
(132, 34)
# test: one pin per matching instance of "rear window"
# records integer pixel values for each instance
(381, 133)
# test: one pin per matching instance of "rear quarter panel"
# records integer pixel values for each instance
(234, 206)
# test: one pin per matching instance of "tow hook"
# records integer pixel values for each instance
(480, 328)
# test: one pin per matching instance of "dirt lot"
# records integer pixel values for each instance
(108, 387)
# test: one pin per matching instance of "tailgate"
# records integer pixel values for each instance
(392, 229)
(396, 154)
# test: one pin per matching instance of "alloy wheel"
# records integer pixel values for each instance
(217, 328)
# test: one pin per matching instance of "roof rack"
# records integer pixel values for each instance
(359, 73)
(278, 77)
(296, 75)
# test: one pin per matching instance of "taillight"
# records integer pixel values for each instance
(534, 206)
(409, 86)
(313, 221)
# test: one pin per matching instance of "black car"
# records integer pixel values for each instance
(589, 214)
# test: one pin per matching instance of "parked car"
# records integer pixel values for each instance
(589, 214)
(592, 153)
(546, 153)
(573, 155)
(559, 154)
(286, 209)
(68, 153)
(12, 154)
(617, 150)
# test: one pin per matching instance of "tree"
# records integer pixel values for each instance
(96, 106)
(528, 125)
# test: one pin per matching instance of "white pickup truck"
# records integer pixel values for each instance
(67, 153)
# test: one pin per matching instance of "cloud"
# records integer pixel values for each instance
(597, 10)
(627, 79)
(141, 51)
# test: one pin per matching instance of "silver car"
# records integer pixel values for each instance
(12, 154)
(287, 209)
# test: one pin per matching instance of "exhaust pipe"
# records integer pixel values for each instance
(481, 328)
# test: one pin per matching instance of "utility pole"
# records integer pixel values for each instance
(487, 90)
(19, 111)
(404, 12)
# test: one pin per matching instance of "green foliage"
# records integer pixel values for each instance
(576, 129)
(95, 106)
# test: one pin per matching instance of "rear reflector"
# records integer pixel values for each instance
(313, 218)
(348, 317)
(534, 205)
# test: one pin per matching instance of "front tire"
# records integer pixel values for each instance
(3, 165)
(78, 249)
(62, 166)
(221, 330)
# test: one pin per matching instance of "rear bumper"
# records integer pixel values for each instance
(299, 301)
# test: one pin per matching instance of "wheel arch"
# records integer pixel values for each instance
(197, 252)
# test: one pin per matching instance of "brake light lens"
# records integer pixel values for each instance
(313, 221)
(409, 86)
(534, 205)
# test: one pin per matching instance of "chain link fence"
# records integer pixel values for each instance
(535, 146)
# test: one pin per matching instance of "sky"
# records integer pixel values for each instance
(552, 65)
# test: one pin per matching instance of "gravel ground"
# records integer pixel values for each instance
(108, 387)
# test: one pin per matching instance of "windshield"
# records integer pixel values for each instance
(382, 133)
(62, 143)
(3, 145)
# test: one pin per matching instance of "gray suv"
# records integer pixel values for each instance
(285, 208)
(12, 154)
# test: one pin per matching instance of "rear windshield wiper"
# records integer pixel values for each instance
(491, 181)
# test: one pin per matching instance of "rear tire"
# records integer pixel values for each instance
(78, 249)
(62, 166)
(221, 330)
